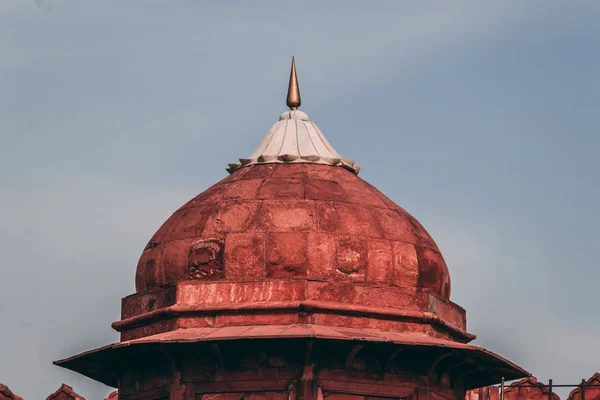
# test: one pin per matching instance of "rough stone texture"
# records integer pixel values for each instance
(379, 260)
(286, 255)
(371, 238)
(244, 256)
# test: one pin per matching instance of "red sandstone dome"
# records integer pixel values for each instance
(292, 236)
(294, 221)
(295, 279)
(295, 210)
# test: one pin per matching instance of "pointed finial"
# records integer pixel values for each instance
(293, 95)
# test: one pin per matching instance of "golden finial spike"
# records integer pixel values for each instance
(293, 95)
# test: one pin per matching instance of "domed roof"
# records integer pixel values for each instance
(294, 209)
(295, 249)
(292, 236)
(297, 221)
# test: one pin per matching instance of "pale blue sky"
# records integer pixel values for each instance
(479, 117)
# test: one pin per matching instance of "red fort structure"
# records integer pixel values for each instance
(292, 278)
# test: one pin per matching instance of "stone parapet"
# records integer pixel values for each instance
(530, 389)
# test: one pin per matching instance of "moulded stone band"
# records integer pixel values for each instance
(298, 306)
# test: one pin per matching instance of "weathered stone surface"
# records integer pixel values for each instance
(320, 189)
(394, 226)
(257, 319)
(328, 218)
(215, 293)
(286, 255)
(148, 301)
(369, 323)
(357, 194)
(205, 259)
(148, 267)
(195, 322)
(371, 296)
(149, 329)
(357, 220)
(405, 264)
(322, 256)
(288, 198)
(239, 216)
(319, 172)
(351, 258)
(244, 256)
(433, 273)
(175, 261)
(259, 171)
(451, 313)
(189, 222)
(287, 215)
(281, 189)
(379, 261)
(298, 172)
(243, 189)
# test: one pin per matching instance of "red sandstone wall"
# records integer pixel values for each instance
(534, 390)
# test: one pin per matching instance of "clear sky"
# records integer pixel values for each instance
(478, 117)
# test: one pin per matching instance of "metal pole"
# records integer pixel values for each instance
(502, 389)
(550, 389)
(583, 389)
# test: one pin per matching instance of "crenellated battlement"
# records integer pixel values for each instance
(531, 389)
